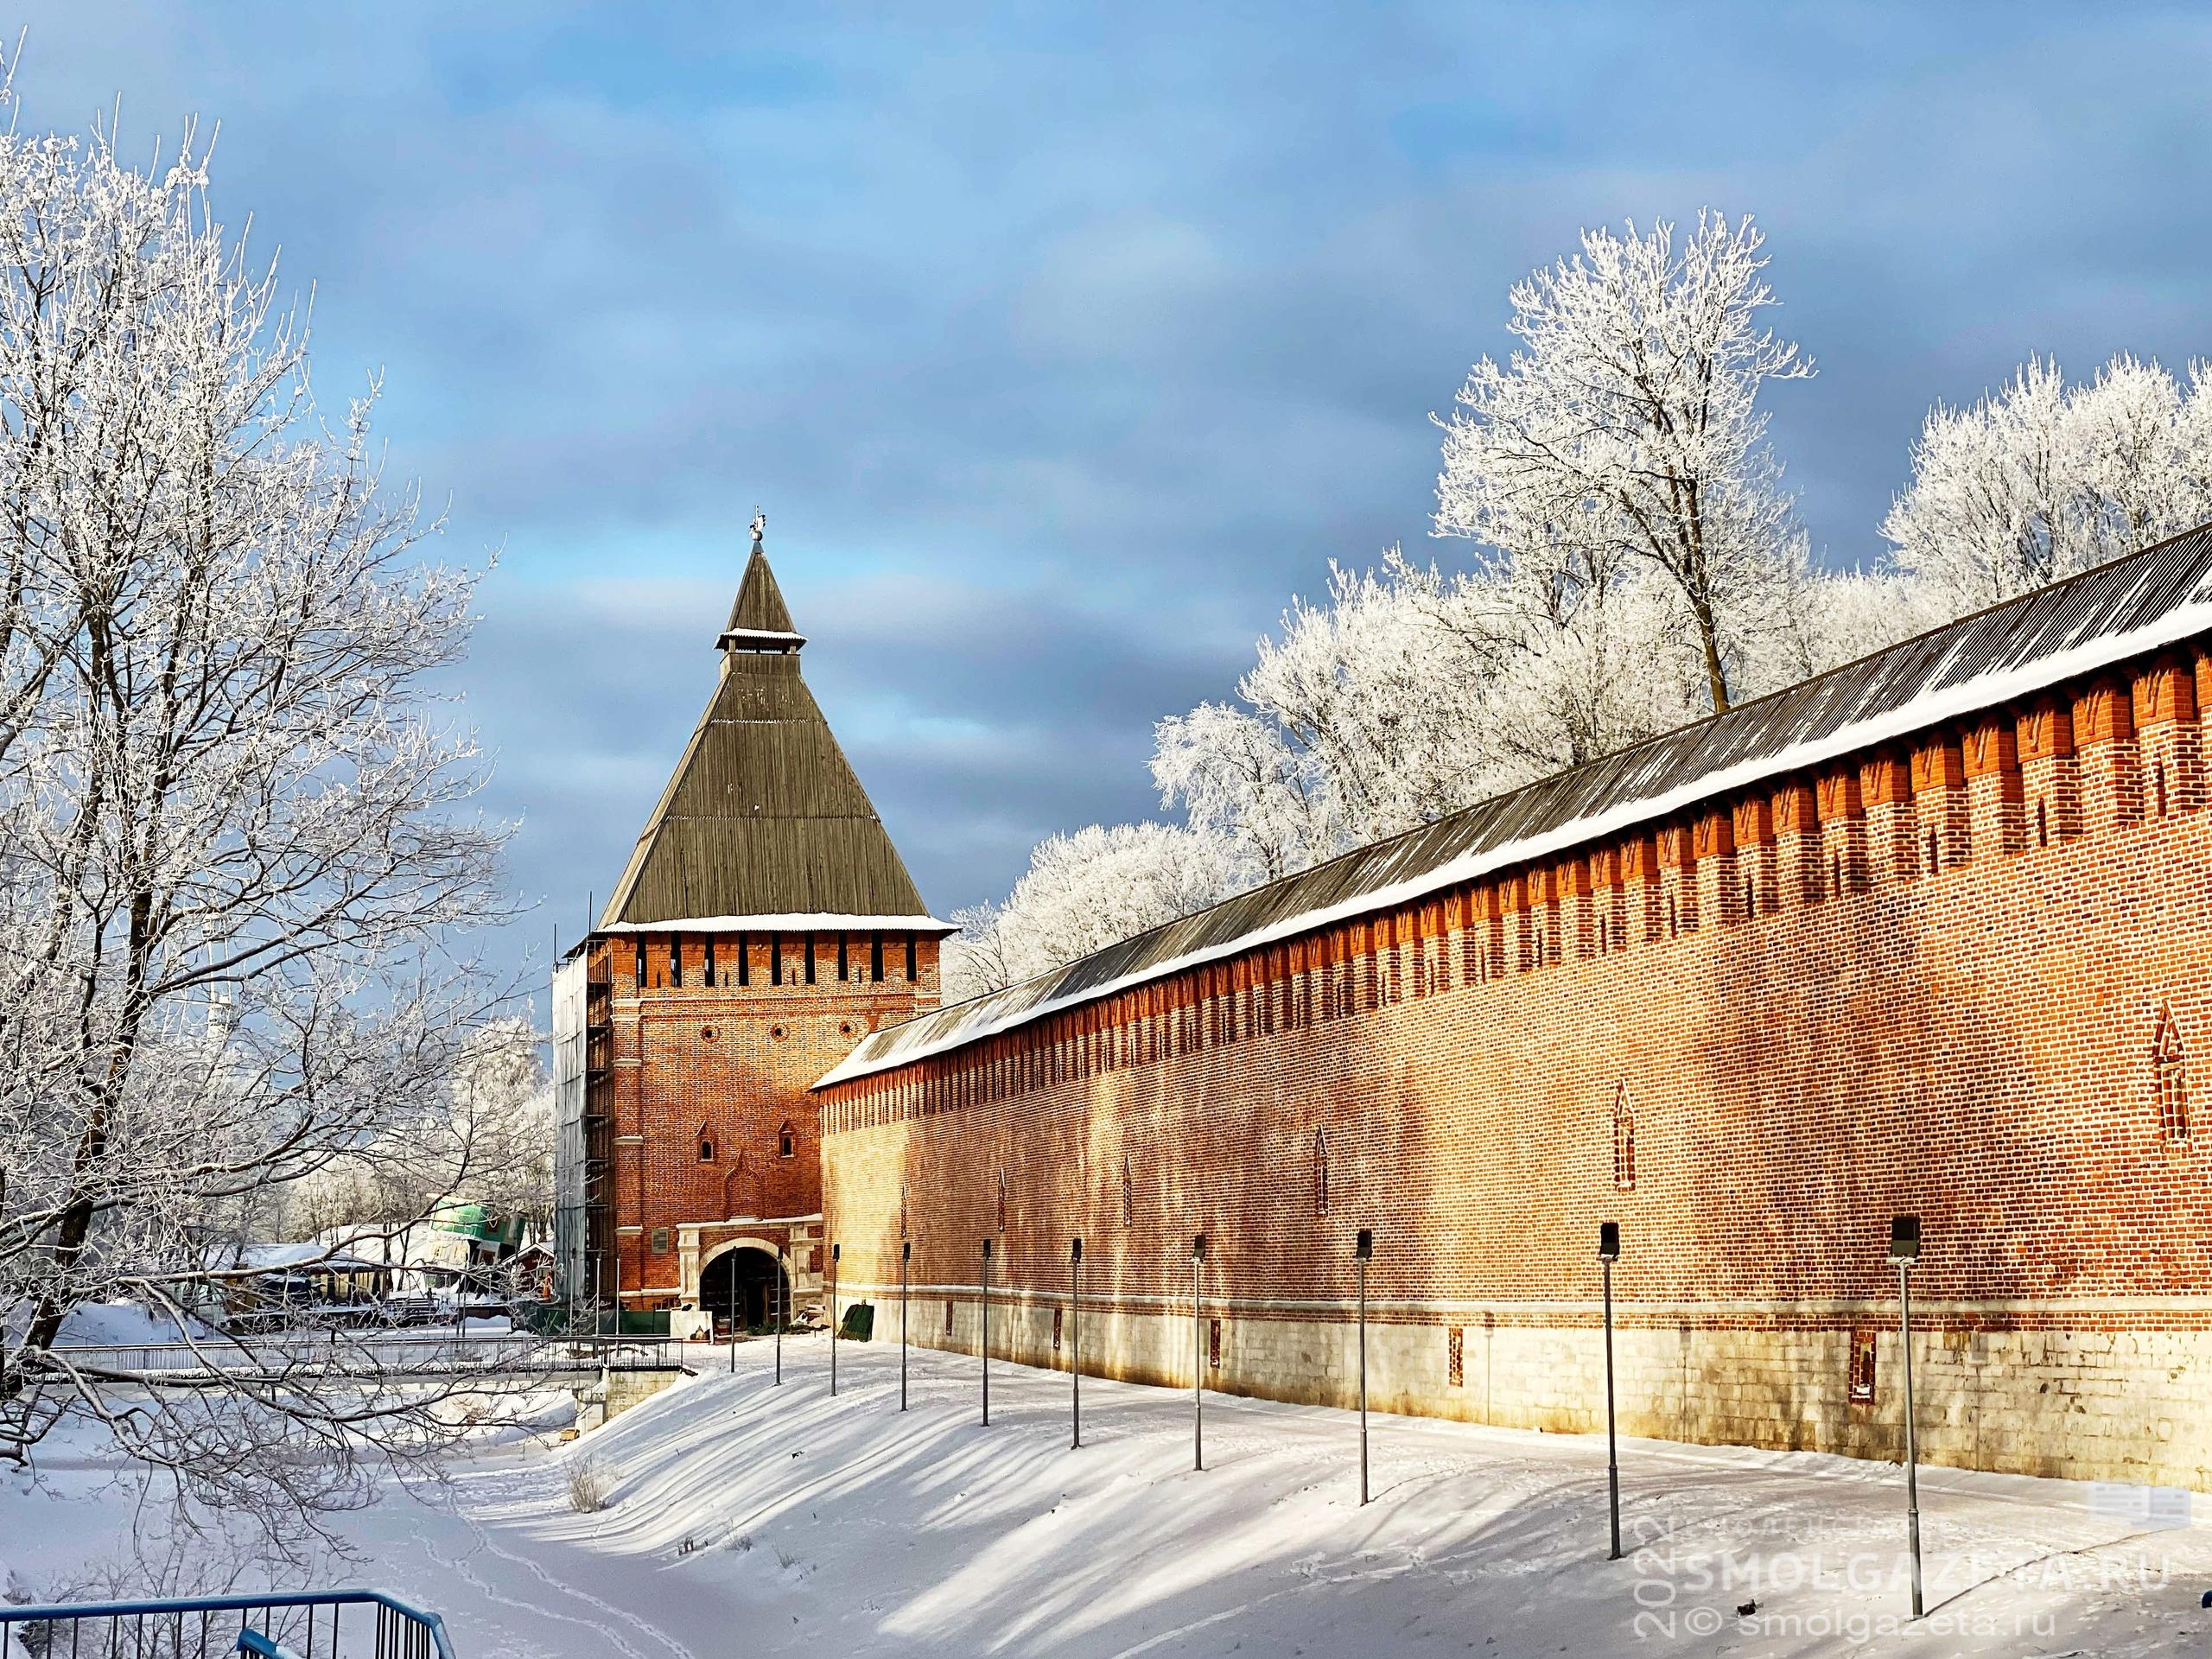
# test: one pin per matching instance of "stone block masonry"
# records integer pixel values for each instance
(1963, 974)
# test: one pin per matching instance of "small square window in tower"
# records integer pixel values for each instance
(1862, 1366)
(786, 1142)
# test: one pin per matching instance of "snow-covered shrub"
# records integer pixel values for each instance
(589, 1485)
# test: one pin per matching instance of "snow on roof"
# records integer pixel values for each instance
(802, 921)
(2102, 616)
(308, 1253)
(762, 639)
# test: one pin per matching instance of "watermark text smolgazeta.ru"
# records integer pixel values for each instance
(1699, 1589)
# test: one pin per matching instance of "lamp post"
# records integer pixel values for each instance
(1197, 1354)
(906, 1255)
(1904, 1251)
(732, 1314)
(777, 1304)
(987, 1331)
(1609, 1250)
(1074, 1323)
(1363, 1252)
(835, 1251)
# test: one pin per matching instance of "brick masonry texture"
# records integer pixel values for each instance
(728, 1066)
(1962, 977)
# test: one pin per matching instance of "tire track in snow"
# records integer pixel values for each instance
(613, 1636)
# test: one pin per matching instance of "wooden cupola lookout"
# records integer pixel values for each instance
(763, 925)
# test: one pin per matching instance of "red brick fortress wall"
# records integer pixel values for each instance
(1964, 976)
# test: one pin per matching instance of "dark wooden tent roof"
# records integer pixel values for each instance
(2105, 615)
(764, 818)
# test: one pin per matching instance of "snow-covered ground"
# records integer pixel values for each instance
(112, 1322)
(748, 1519)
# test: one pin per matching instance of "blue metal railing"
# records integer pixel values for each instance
(209, 1627)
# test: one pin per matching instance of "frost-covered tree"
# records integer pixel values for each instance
(235, 840)
(1623, 437)
(2040, 480)
(502, 1107)
(1085, 891)
(1370, 711)
(973, 961)
(1407, 692)
(505, 1099)
(1237, 773)
(1636, 566)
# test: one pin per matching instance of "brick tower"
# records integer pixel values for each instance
(764, 925)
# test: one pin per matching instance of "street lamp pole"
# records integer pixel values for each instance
(1609, 1250)
(1904, 1251)
(778, 1303)
(1197, 1354)
(987, 1331)
(906, 1255)
(1075, 1321)
(1362, 1251)
(835, 1251)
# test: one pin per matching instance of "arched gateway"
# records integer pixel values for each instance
(744, 1281)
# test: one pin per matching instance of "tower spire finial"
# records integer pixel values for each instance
(759, 620)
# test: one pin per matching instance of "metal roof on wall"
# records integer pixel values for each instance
(2104, 616)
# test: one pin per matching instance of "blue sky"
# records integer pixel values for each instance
(1062, 345)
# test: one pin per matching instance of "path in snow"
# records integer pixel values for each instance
(752, 1520)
